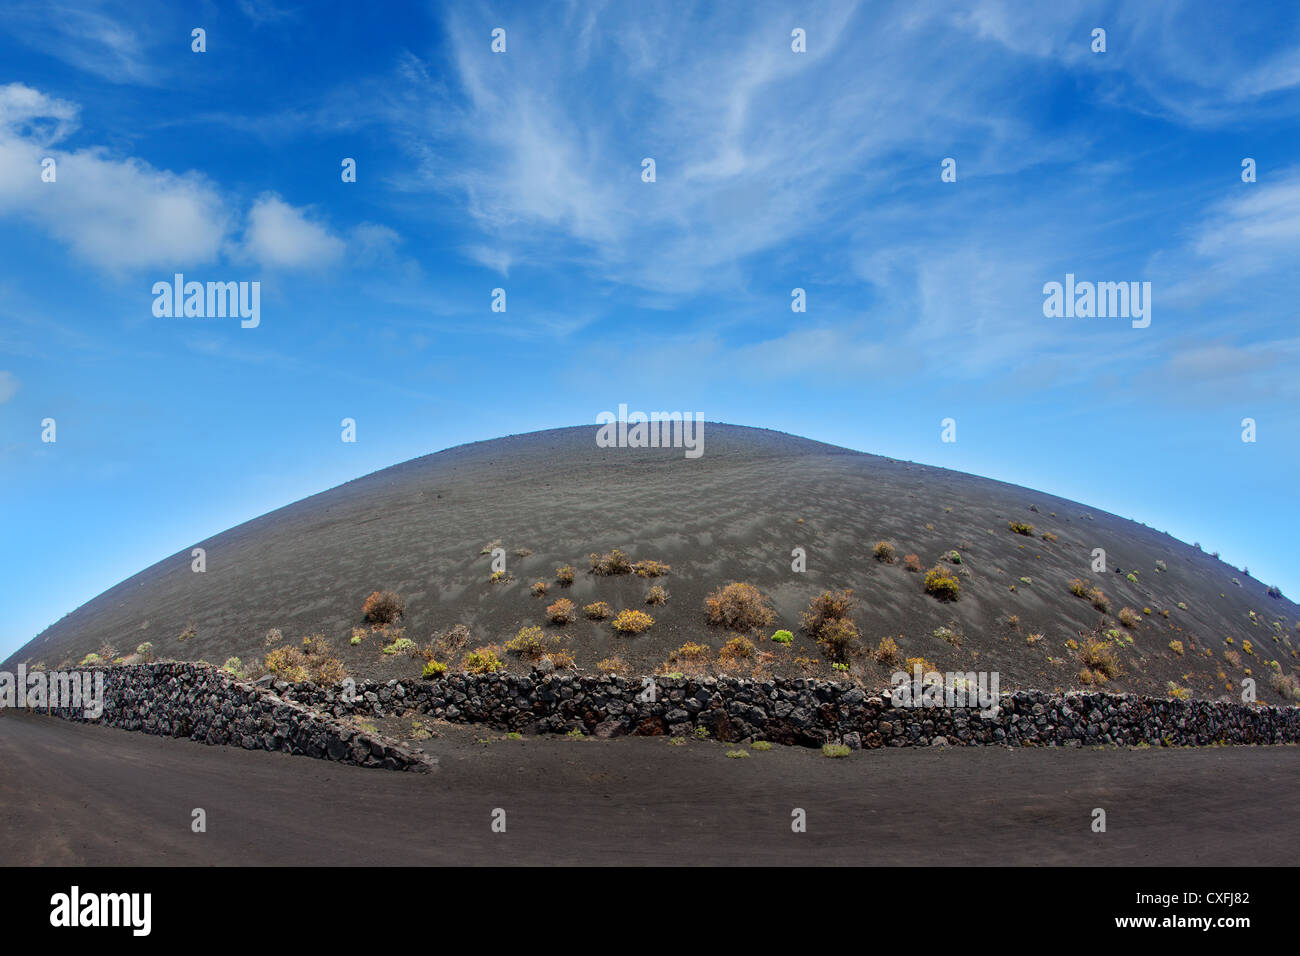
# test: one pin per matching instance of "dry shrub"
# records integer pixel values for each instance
(1129, 617)
(1100, 656)
(613, 665)
(564, 575)
(884, 552)
(615, 562)
(562, 659)
(1019, 527)
(1176, 647)
(287, 663)
(312, 662)
(1286, 684)
(1232, 657)
(1099, 600)
(736, 653)
(690, 658)
(561, 612)
(942, 583)
(539, 588)
(912, 562)
(632, 622)
(927, 667)
(887, 651)
(825, 607)
(738, 606)
(1079, 587)
(597, 610)
(529, 643)
(839, 637)
(656, 595)
(651, 569)
(383, 607)
(450, 642)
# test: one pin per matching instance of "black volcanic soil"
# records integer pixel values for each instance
(638, 800)
(734, 514)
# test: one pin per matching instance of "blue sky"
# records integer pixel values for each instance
(522, 170)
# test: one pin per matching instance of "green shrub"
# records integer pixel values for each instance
(941, 583)
(835, 750)
(483, 660)
(783, 637)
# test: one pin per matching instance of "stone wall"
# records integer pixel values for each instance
(804, 712)
(207, 705)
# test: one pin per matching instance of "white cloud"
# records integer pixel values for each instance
(279, 235)
(8, 386)
(116, 213)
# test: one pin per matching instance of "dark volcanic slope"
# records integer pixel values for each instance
(734, 514)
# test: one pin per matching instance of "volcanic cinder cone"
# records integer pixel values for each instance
(734, 514)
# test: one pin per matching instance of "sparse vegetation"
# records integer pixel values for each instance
(382, 607)
(1129, 617)
(400, 645)
(433, 669)
(1048, 536)
(1079, 587)
(1020, 527)
(1100, 656)
(606, 565)
(656, 595)
(738, 606)
(564, 575)
(561, 612)
(233, 665)
(597, 610)
(632, 622)
(690, 658)
(912, 562)
(884, 552)
(835, 750)
(312, 662)
(783, 637)
(612, 665)
(838, 637)
(483, 660)
(1099, 600)
(941, 583)
(539, 588)
(529, 643)
(887, 651)
(651, 569)
(826, 607)
(1176, 647)
(188, 634)
(736, 653)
